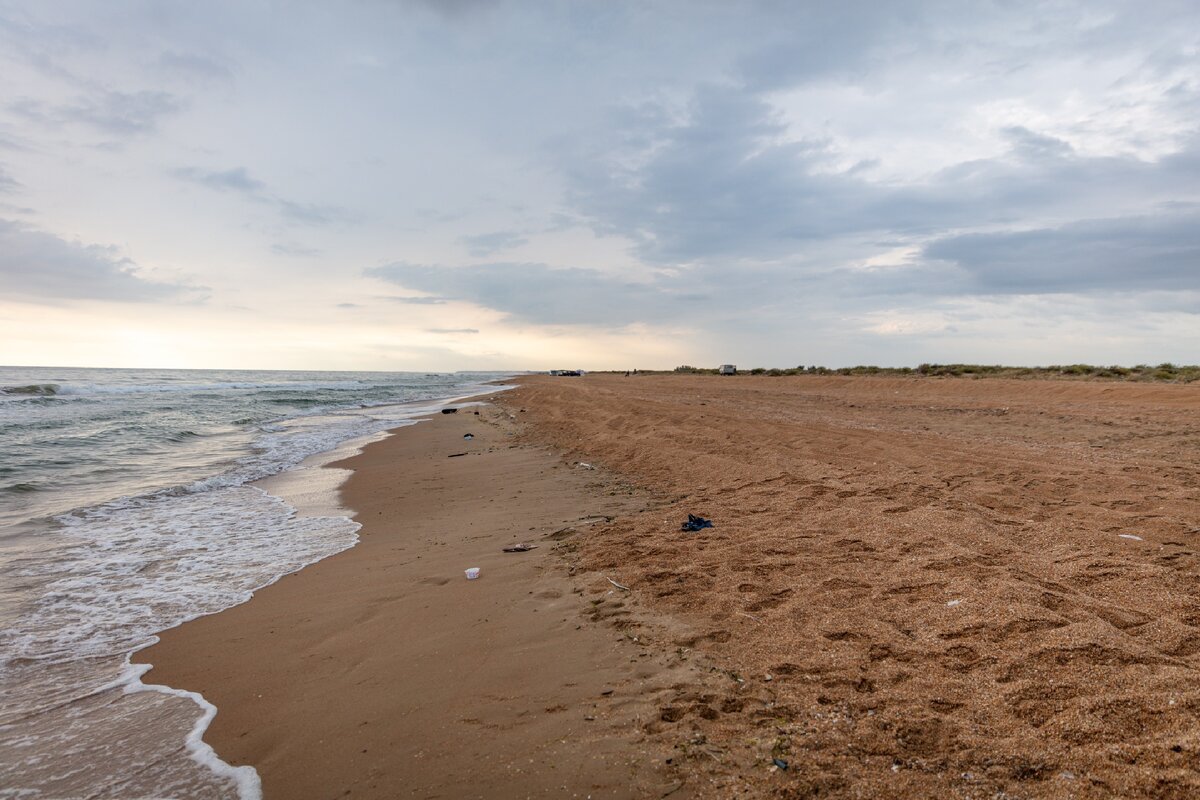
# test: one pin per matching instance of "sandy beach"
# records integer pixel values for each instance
(913, 587)
(383, 672)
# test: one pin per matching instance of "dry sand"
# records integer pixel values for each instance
(934, 573)
(914, 588)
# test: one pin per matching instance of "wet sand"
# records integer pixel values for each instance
(918, 587)
(382, 672)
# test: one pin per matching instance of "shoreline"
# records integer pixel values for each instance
(250, 729)
(912, 589)
(138, 562)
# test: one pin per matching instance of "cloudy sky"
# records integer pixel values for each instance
(473, 185)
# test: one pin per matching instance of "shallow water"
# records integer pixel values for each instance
(127, 507)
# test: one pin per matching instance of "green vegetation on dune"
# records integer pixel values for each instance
(1166, 372)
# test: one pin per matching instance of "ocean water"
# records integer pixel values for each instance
(127, 506)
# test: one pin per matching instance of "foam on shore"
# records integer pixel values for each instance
(78, 720)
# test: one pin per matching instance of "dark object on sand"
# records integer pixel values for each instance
(455, 455)
(520, 548)
(468, 436)
(695, 523)
(779, 762)
(449, 410)
(477, 413)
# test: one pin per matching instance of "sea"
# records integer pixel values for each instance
(132, 501)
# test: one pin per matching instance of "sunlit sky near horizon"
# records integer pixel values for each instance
(503, 185)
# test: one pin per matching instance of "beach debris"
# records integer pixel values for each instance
(584, 465)
(520, 548)
(606, 692)
(952, 603)
(449, 410)
(468, 436)
(472, 573)
(477, 413)
(780, 763)
(695, 523)
(1130, 536)
(620, 586)
(750, 616)
(455, 455)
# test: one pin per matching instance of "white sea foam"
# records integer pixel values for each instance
(143, 564)
(245, 778)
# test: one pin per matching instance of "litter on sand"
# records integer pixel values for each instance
(695, 523)
(779, 762)
(468, 436)
(583, 465)
(449, 410)
(620, 586)
(520, 548)
(472, 573)
(455, 455)
(1130, 536)
(952, 603)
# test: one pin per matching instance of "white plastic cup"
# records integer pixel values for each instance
(472, 573)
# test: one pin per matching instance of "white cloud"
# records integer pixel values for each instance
(40, 267)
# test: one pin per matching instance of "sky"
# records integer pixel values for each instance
(470, 184)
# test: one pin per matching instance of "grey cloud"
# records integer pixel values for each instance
(451, 330)
(10, 142)
(812, 41)
(1132, 254)
(719, 184)
(239, 180)
(125, 112)
(348, 305)
(43, 44)
(235, 180)
(116, 113)
(485, 244)
(534, 292)
(7, 182)
(311, 213)
(718, 295)
(1035, 146)
(1153, 257)
(39, 266)
(855, 41)
(724, 184)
